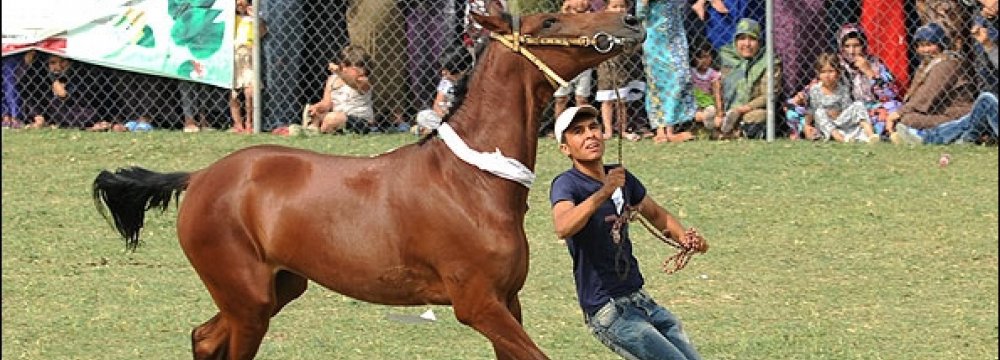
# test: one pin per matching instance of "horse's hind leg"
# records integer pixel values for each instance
(243, 288)
(244, 313)
(211, 339)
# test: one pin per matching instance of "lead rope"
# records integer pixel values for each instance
(692, 242)
(621, 219)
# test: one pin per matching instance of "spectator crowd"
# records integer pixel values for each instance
(900, 71)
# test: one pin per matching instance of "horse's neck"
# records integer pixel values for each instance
(502, 107)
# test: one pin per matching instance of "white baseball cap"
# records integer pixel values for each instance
(567, 117)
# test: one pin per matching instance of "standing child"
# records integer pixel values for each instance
(453, 68)
(242, 71)
(347, 97)
(832, 109)
(582, 84)
(616, 82)
(707, 87)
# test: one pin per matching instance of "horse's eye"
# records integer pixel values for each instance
(549, 22)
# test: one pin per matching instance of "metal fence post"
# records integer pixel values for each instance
(256, 60)
(769, 35)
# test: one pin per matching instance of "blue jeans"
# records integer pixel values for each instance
(637, 328)
(969, 128)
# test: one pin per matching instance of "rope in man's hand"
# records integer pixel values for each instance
(692, 242)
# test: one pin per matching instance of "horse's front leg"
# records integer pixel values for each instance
(496, 317)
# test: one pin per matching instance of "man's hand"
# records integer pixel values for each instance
(693, 241)
(614, 180)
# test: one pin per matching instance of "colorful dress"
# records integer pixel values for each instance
(849, 112)
(703, 94)
(880, 94)
(668, 101)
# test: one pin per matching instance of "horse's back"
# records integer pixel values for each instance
(317, 214)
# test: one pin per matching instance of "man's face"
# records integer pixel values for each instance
(583, 140)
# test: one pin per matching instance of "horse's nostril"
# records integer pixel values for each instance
(630, 20)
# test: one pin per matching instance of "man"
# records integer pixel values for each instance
(586, 200)
(939, 107)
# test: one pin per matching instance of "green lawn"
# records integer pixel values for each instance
(818, 251)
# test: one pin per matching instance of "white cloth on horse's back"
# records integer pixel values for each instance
(493, 162)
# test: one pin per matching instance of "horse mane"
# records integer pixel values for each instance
(462, 87)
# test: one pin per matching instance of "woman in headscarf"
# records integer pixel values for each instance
(744, 86)
(939, 108)
(871, 81)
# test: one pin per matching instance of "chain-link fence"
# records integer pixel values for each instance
(872, 43)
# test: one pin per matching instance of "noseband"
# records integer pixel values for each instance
(516, 40)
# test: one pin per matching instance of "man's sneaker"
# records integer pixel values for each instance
(729, 121)
(905, 135)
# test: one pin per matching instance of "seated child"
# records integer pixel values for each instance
(453, 68)
(347, 98)
(832, 110)
(707, 87)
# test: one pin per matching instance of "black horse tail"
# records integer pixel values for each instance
(129, 192)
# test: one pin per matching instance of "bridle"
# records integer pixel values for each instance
(518, 42)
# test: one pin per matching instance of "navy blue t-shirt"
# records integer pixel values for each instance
(592, 248)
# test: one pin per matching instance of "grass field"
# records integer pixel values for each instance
(818, 251)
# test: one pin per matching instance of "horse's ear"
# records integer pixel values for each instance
(492, 23)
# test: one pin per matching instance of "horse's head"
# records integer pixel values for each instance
(565, 43)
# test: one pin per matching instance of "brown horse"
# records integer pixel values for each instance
(414, 226)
